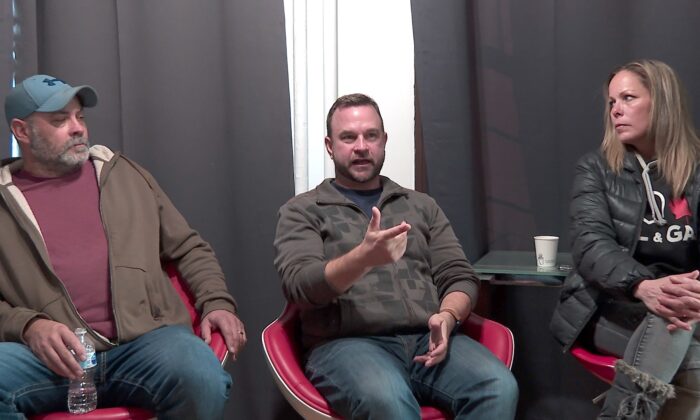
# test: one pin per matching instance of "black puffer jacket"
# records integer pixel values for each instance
(607, 210)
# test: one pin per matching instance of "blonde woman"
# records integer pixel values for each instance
(635, 292)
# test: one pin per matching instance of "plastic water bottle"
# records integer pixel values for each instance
(82, 393)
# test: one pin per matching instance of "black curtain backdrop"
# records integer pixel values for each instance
(197, 93)
(510, 96)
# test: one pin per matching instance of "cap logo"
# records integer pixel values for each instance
(52, 82)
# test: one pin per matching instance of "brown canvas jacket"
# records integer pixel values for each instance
(143, 229)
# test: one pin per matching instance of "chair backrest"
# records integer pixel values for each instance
(282, 346)
(600, 365)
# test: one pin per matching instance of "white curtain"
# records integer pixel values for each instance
(336, 47)
(313, 85)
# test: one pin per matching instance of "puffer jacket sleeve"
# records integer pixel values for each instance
(603, 228)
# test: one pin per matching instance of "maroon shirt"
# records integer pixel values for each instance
(68, 212)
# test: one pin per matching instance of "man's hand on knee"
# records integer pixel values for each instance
(52, 343)
(231, 329)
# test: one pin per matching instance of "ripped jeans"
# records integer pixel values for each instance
(646, 345)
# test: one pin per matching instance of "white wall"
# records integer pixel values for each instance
(375, 56)
(336, 47)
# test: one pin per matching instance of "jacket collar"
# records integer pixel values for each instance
(629, 162)
(328, 194)
(99, 156)
(98, 153)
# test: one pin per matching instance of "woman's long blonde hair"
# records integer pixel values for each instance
(670, 127)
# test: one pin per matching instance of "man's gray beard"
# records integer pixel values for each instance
(58, 161)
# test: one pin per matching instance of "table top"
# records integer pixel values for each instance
(520, 268)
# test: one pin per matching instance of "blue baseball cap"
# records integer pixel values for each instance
(42, 93)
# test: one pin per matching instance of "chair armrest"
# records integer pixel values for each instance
(495, 336)
(218, 346)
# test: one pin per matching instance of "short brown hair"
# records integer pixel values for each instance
(353, 99)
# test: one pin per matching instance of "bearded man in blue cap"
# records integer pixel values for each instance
(85, 232)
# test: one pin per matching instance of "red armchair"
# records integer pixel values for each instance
(602, 366)
(217, 345)
(282, 348)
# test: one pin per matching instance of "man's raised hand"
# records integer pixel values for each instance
(384, 246)
(378, 247)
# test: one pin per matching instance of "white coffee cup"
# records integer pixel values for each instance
(546, 250)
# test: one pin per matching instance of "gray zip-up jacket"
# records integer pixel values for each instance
(142, 227)
(322, 224)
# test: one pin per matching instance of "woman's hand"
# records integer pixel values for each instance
(681, 296)
(676, 298)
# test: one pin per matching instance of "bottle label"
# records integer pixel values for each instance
(90, 360)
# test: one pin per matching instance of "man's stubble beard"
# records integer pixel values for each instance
(376, 170)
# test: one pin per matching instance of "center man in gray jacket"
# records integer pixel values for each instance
(382, 282)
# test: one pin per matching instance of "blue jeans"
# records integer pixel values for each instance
(376, 378)
(644, 343)
(169, 370)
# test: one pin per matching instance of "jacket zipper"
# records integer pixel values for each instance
(404, 297)
(106, 170)
(402, 292)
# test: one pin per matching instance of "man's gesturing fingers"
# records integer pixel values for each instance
(375, 221)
